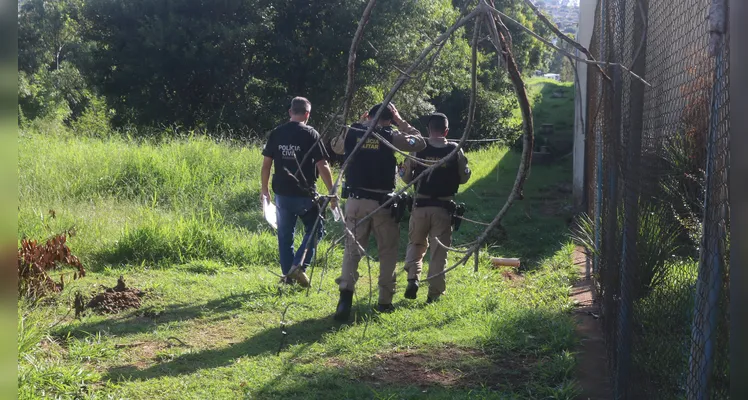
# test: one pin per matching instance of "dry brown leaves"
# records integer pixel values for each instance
(36, 260)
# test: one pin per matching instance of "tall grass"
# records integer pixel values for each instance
(176, 174)
(132, 202)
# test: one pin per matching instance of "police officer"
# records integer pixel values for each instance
(369, 179)
(434, 207)
(294, 186)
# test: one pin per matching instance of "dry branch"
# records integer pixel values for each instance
(352, 57)
(36, 260)
(526, 160)
(563, 37)
(465, 134)
(566, 53)
(401, 80)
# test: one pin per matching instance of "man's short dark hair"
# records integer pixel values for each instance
(300, 106)
(438, 123)
(386, 113)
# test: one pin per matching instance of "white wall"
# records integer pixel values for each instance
(584, 34)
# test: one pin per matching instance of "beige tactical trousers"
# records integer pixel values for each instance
(387, 234)
(427, 223)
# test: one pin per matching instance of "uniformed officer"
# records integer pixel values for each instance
(434, 207)
(294, 186)
(369, 179)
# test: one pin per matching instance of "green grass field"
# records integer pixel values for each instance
(181, 220)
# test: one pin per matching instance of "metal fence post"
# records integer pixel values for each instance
(599, 150)
(629, 254)
(611, 213)
(704, 328)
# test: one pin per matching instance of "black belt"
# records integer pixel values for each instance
(449, 205)
(369, 195)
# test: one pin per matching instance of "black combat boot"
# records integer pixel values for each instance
(412, 289)
(431, 299)
(343, 312)
(385, 308)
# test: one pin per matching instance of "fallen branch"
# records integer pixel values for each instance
(456, 250)
(352, 57)
(466, 132)
(178, 340)
(401, 80)
(473, 221)
(527, 139)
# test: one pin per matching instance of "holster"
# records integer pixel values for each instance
(398, 206)
(458, 211)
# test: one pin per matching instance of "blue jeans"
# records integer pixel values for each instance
(289, 208)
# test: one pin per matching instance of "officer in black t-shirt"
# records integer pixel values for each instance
(369, 179)
(297, 156)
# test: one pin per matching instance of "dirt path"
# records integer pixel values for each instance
(592, 369)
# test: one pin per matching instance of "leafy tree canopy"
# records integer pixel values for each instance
(233, 65)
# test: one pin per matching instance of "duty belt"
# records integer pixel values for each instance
(456, 210)
(397, 207)
(427, 202)
(366, 194)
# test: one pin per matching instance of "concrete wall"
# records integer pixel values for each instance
(586, 24)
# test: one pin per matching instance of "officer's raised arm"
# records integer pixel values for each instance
(407, 138)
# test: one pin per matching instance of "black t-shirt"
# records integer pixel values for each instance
(287, 145)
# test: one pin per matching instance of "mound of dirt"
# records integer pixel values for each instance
(111, 300)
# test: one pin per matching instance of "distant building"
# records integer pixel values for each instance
(552, 76)
(538, 72)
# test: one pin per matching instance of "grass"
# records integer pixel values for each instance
(180, 219)
(663, 331)
(558, 111)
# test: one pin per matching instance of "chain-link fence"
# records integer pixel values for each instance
(657, 164)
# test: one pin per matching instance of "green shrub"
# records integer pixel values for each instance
(656, 244)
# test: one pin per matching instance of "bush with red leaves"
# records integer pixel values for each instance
(36, 260)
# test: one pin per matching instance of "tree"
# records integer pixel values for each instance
(50, 49)
(236, 64)
(48, 30)
(239, 62)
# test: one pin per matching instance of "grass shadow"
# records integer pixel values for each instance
(148, 318)
(535, 227)
(525, 359)
(267, 342)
